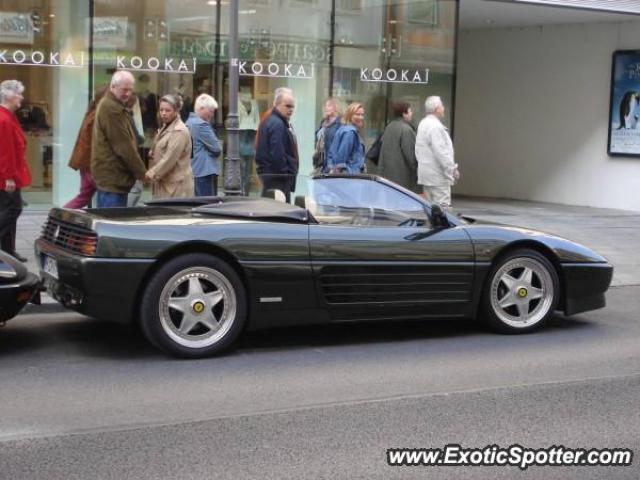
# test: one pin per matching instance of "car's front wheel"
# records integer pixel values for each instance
(521, 292)
(194, 306)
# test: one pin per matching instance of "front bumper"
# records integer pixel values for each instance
(104, 288)
(585, 285)
(14, 296)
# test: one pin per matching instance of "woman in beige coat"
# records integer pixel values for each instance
(170, 157)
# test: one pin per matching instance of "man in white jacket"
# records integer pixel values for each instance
(434, 151)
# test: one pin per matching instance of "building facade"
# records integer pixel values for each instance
(372, 51)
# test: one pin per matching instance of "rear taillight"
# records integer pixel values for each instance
(86, 247)
(68, 236)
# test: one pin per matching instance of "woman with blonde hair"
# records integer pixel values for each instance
(170, 158)
(346, 153)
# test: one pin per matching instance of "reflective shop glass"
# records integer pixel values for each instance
(375, 52)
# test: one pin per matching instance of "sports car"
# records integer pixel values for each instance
(194, 273)
(17, 286)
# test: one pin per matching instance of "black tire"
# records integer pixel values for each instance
(208, 306)
(521, 292)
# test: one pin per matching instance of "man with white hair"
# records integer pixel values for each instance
(437, 170)
(115, 162)
(277, 158)
(206, 147)
(14, 170)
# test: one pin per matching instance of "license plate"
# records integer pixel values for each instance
(50, 266)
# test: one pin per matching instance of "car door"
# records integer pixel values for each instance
(375, 254)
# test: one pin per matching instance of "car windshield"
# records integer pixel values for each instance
(360, 201)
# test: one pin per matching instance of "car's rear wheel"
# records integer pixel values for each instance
(194, 306)
(521, 292)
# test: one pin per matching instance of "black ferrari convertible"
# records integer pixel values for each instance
(195, 272)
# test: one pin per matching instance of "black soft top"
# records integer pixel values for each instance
(239, 207)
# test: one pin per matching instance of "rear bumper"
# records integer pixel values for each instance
(104, 288)
(14, 296)
(584, 286)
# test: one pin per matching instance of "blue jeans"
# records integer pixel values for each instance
(206, 186)
(111, 199)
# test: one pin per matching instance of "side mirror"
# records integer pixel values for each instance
(438, 217)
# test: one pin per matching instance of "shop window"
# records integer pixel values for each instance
(44, 45)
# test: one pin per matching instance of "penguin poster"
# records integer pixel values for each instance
(624, 107)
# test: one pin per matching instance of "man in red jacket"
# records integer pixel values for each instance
(14, 171)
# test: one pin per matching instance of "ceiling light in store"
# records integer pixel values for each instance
(52, 15)
(247, 12)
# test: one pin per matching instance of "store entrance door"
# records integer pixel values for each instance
(393, 51)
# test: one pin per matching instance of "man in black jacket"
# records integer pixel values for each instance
(277, 150)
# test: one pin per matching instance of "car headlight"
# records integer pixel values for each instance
(7, 271)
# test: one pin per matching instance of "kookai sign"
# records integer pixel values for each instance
(156, 64)
(395, 75)
(40, 58)
(272, 69)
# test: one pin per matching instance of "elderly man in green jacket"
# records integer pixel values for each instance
(115, 162)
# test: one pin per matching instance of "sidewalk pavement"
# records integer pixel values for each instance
(612, 233)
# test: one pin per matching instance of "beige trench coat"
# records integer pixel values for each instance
(170, 166)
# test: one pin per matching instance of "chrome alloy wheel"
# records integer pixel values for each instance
(197, 307)
(522, 292)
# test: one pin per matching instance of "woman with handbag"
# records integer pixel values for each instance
(170, 158)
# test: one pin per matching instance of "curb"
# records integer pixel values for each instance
(44, 308)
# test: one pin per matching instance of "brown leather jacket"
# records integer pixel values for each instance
(81, 155)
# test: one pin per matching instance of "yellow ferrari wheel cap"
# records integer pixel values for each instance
(198, 307)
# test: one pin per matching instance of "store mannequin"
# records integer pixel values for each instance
(249, 118)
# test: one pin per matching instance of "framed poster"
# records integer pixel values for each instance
(349, 6)
(624, 104)
(16, 27)
(424, 12)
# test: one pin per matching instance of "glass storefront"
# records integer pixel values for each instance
(46, 48)
(375, 52)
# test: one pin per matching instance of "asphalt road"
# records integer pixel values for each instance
(82, 399)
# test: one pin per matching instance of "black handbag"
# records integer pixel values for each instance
(373, 153)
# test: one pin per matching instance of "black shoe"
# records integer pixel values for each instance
(19, 257)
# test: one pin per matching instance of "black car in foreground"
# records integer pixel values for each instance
(195, 272)
(17, 286)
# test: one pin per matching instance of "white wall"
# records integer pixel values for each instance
(532, 106)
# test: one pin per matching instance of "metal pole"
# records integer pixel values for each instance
(232, 176)
(92, 12)
(332, 46)
(217, 74)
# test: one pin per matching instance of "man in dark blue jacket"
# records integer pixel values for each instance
(277, 150)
